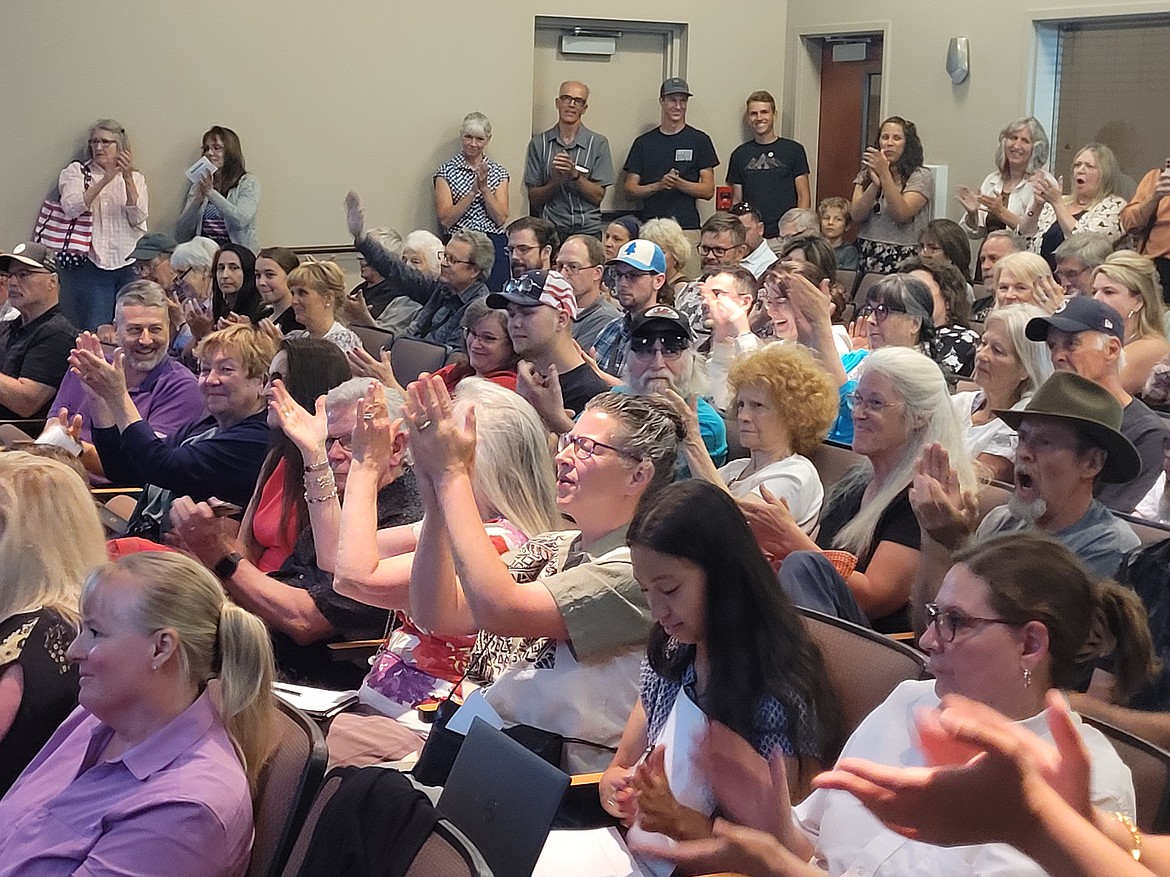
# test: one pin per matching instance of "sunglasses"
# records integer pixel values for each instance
(672, 346)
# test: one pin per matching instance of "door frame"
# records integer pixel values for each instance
(674, 34)
(803, 70)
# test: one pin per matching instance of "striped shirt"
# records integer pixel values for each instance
(116, 226)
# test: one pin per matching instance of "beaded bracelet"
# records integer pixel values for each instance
(323, 482)
(1134, 832)
(317, 467)
(316, 499)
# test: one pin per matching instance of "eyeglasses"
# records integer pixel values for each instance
(472, 335)
(571, 100)
(741, 209)
(526, 283)
(717, 252)
(20, 275)
(570, 270)
(880, 312)
(585, 448)
(671, 346)
(346, 442)
(522, 249)
(858, 402)
(95, 142)
(629, 275)
(180, 277)
(948, 622)
(774, 291)
(445, 259)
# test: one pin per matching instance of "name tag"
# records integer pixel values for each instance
(684, 155)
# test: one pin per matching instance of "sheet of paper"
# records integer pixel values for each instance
(594, 852)
(474, 707)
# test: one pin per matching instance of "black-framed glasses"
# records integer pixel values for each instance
(615, 275)
(880, 312)
(445, 259)
(585, 448)
(346, 442)
(177, 282)
(948, 622)
(672, 346)
(572, 100)
(717, 252)
(568, 269)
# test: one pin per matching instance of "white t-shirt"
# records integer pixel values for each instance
(1155, 505)
(994, 437)
(851, 840)
(794, 479)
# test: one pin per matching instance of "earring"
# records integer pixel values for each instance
(1027, 678)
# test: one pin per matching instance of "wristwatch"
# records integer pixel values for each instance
(227, 567)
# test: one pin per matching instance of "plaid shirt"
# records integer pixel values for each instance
(611, 345)
(116, 226)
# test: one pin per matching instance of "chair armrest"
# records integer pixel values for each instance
(357, 650)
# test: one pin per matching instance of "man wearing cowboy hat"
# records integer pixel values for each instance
(1085, 337)
(1069, 439)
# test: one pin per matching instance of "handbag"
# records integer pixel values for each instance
(71, 239)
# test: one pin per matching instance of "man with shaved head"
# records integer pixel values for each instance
(568, 168)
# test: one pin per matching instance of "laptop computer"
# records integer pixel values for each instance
(502, 797)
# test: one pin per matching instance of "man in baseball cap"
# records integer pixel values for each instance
(552, 374)
(36, 345)
(636, 275)
(152, 259)
(673, 165)
(1085, 336)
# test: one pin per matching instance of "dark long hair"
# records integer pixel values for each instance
(912, 153)
(233, 170)
(248, 301)
(756, 640)
(315, 366)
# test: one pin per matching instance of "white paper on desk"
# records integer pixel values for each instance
(200, 169)
(594, 852)
(474, 707)
(317, 702)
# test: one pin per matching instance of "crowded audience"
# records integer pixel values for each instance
(645, 444)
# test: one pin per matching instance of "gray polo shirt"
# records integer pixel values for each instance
(567, 209)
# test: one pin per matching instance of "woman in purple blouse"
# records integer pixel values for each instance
(151, 774)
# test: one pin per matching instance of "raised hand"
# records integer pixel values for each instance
(363, 365)
(375, 428)
(859, 334)
(1047, 293)
(355, 215)
(943, 509)
(543, 392)
(104, 380)
(439, 442)
(776, 531)
(307, 431)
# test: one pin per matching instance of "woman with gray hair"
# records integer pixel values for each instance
(107, 188)
(866, 555)
(191, 291)
(1007, 192)
(471, 190)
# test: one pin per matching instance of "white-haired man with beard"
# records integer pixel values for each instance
(1069, 439)
(164, 391)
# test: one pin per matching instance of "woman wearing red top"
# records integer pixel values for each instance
(309, 367)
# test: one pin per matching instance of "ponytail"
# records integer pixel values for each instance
(1122, 617)
(246, 672)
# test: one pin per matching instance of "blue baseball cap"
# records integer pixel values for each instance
(643, 255)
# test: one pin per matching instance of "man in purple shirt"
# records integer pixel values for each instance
(164, 391)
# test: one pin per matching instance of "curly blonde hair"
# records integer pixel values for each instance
(802, 391)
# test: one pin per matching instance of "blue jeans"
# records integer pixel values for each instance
(88, 293)
(810, 581)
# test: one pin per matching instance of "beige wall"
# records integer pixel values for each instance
(958, 124)
(325, 95)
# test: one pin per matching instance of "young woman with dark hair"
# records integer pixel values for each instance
(891, 197)
(727, 646)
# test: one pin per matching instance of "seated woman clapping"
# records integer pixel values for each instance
(151, 774)
(867, 551)
(1017, 614)
(727, 646)
(785, 402)
(512, 481)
